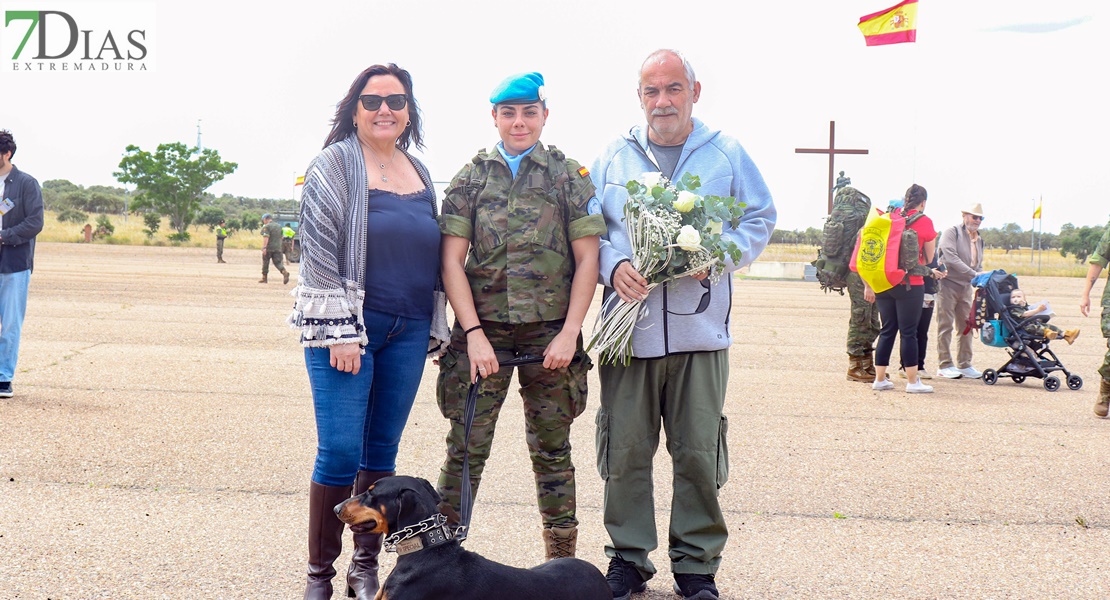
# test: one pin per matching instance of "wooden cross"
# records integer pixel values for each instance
(832, 151)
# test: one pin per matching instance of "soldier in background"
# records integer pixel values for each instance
(221, 235)
(271, 249)
(287, 233)
(1098, 261)
(519, 264)
(849, 212)
(863, 324)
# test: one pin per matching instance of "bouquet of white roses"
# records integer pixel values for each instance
(674, 233)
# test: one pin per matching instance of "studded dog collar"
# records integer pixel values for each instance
(428, 533)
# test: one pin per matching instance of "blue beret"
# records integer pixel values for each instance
(519, 89)
(896, 203)
(267, 216)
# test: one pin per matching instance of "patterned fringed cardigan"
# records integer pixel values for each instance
(331, 285)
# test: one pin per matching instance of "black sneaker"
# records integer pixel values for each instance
(6, 389)
(624, 578)
(695, 587)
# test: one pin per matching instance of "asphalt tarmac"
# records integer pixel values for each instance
(161, 439)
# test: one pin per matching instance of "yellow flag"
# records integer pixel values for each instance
(1037, 212)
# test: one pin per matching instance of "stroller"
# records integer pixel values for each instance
(1029, 353)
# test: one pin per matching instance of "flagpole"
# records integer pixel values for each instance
(1032, 231)
(1040, 233)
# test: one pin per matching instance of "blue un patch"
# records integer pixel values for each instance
(594, 207)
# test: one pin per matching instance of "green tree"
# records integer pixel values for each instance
(171, 180)
(1080, 242)
(250, 221)
(211, 216)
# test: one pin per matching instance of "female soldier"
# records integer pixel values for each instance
(520, 263)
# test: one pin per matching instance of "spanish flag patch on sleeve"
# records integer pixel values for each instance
(583, 172)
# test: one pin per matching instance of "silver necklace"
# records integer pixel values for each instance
(382, 165)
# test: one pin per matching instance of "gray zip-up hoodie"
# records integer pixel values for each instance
(687, 315)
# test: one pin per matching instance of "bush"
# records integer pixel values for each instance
(104, 227)
(72, 215)
(153, 222)
(182, 236)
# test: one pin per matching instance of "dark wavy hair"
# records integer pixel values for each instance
(7, 142)
(915, 196)
(342, 124)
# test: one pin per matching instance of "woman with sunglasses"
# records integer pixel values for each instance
(369, 268)
(520, 265)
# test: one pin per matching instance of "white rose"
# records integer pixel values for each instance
(651, 179)
(685, 201)
(688, 239)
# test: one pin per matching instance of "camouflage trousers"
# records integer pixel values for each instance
(863, 327)
(276, 258)
(1105, 369)
(552, 400)
(219, 249)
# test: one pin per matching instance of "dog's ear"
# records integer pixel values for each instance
(413, 506)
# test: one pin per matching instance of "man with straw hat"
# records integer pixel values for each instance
(961, 251)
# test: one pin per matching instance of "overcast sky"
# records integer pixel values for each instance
(998, 102)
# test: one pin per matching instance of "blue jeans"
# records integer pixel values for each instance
(359, 418)
(13, 306)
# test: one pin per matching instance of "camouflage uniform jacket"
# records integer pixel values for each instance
(520, 265)
(272, 231)
(1101, 257)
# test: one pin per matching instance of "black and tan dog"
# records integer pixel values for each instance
(432, 565)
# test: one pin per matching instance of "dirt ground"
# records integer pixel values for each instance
(161, 439)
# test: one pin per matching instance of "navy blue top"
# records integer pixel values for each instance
(402, 254)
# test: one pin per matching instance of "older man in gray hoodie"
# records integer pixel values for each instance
(961, 251)
(679, 372)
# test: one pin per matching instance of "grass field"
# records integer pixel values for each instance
(1019, 262)
(130, 232)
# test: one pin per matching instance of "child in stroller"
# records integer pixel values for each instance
(1020, 311)
(1007, 322)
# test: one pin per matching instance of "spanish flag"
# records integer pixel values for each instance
(300, 181)
(893, 25)
(1037, 212)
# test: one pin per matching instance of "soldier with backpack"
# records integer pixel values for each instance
(521, 230)
(850, 209)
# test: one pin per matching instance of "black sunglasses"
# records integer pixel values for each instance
(976, 218)
(393, 101)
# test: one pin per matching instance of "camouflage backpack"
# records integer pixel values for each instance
(910, 251)
(850, 208)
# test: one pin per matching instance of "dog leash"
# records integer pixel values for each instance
(465, 503)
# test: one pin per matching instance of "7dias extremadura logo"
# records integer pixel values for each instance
(86, 37)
